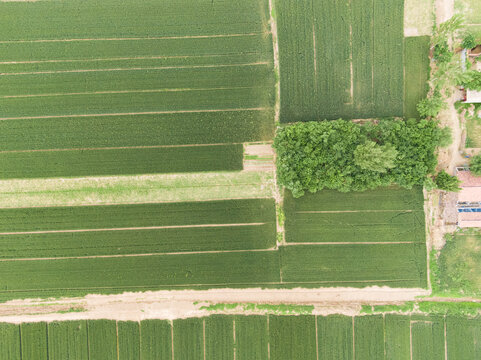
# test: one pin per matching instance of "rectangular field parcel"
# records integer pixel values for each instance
(55, 251)
(340, 59)
(373, 236)
(112, 94)
(416, 73)
(137, 229)
(273, 337)
(382, 215)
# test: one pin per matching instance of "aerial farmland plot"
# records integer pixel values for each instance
(375, 237)
(132, 87)
(306, 337)
(92, 100)
(344, 59)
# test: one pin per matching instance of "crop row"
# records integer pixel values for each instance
(137, 79)
(336, 63)
(173, 51)
(416, 73)
(87, 19)
(377, 226)
(138, 130)
(306, 337)
(383, 198)
(128, 161)
(137, 215)
(139, 102)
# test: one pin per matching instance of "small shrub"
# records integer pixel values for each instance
(475, 165)
(473, 80)
(442, 54)
(469, 41)
(429, 184)
(431, 106)
(447, 182)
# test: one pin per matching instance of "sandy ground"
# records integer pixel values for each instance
(418, 17)
(188, 303)
(444, 10)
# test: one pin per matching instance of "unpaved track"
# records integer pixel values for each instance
(180, 304)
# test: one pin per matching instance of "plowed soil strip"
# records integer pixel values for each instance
(135, 69)
(127, 229)
(136, 255)
(130, 38)
(126, 92)
(133, 113)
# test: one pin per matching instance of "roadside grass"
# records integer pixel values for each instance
(136, 189)
(280, 309)
(426, 307)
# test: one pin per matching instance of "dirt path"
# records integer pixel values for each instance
(188, 303)
(437, 202)
(451, 157)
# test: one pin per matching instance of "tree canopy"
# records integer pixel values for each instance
(346, 156)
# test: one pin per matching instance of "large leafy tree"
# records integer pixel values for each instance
(371, 156)
(346, 156)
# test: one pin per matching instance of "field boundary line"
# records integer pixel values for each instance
(137, 255)
(48, 72)
(445, 338)
(117, 337)
(128, 92)
(203, 334)
(349, 211)
(314, 52)
(153, 57)
(172, 337)
(353, 337)
(129, 228)
(135, 113)
(411, 339)
(317, 338)
(351, 243)
(130, 38)
(233, 334)
(118, 148)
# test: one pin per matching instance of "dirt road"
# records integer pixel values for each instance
(188, 303)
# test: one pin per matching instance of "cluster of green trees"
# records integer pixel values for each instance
(346, 156)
